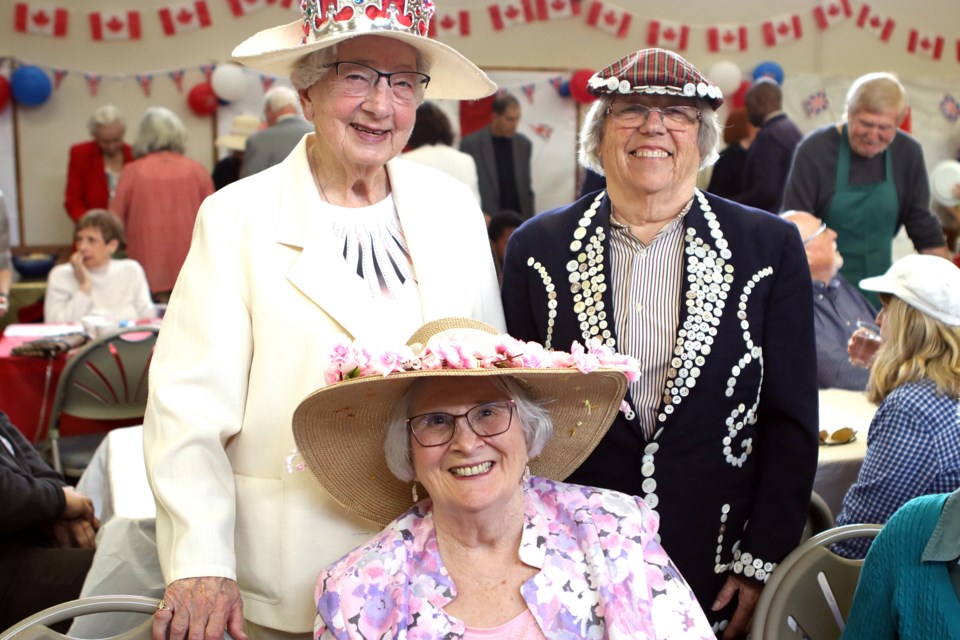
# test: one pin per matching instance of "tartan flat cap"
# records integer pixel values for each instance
(655, 71)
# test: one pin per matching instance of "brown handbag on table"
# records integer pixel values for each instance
(51, 346)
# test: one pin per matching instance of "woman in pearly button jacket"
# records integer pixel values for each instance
(342, 237)
(714, 299)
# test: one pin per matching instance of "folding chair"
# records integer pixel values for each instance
(37, 626)
(810, 593)
(105, 380)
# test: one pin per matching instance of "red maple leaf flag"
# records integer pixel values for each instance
(122, 25)
(731, 37)
(782, 30)
(511, 13)
(456, 23)
(557, 9)
(925, 44)
(243, 7)
(187, 16)
(830, 12)
(880, 26)
(668, 35)
(609, 18)
(40, 20)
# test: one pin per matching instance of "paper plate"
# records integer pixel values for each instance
(942, 180)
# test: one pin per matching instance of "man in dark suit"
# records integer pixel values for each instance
(47, 531)
(769, 157)
(503, 156)
(714, 299)
(285, 127)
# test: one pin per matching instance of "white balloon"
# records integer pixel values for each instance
(727, 76)
(229, 81)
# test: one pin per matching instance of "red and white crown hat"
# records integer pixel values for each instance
(324, 23)
(657, 72)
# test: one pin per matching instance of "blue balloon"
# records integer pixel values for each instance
(31, 86)
(769, 69)
(564, 90)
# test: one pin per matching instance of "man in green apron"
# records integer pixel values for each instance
(865, 178)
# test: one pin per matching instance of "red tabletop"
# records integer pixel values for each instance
(23, 381)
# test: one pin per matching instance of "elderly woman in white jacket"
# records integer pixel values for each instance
(341, 237)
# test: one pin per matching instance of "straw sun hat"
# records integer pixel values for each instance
(325, 23)
(340, 429)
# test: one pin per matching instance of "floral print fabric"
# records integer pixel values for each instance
(602, 574)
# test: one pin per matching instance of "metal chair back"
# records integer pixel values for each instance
(37, 626)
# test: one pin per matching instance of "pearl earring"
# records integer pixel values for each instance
(526, 474)
(416, 498)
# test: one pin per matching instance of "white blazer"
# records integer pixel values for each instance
(261, 296)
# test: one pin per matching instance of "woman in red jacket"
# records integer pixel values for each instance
(94, 168)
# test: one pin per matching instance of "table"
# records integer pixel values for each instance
(24, 379)
(838, 465)
(126, 560)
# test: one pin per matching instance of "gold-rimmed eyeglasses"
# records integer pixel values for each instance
(485, 420)
(355, 80)
(813, 236)
(674, 117)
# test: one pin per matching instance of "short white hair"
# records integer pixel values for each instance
(278, 98)
(105, 115)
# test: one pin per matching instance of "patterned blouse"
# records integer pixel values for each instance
(602, 574)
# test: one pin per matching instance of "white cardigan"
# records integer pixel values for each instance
(262, 295)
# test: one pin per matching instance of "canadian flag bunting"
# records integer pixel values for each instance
(880, 26)
(243, 7)
(557, 9)
(727, 38)
(782, 30)
(456, 23)
(178, 18)
(830, 12)
(668, 35)
(925, 44)
(510, 14)
(124, 25)
(40, 20)
(605, 16)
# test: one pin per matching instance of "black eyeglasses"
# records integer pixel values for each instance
(355, 80)
(676, 117)
(485, 420)
(813, 236)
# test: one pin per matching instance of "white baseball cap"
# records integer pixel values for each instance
(929, 284)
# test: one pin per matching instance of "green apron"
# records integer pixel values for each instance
(865, 219)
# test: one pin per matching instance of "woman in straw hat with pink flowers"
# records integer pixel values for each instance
(458, 444)
(340, 237)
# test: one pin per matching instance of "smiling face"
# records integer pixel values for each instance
(363, 132)
(109, 137)
(96, 253)
(469, 475)
(650, 159)
(871, 132)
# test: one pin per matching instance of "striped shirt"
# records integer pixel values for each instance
(646, 281)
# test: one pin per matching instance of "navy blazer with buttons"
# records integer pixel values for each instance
(731, 470)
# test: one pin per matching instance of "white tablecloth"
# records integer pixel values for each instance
(838, 465)
(126, 559)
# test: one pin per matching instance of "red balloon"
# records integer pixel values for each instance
(4, 92)
(202, 99)
(738, 98)
(578, 86)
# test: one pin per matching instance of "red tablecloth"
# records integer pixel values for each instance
(22, 383)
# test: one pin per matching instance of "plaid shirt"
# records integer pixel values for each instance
(913, 449)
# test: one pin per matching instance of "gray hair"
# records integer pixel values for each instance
(308, 70)
(280, 97)
(160, 130)
(107, 114)
(876, 93)
(531, 413)
(591, 134)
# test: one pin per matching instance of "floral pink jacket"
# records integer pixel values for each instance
(602, 575)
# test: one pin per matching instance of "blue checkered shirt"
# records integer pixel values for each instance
(913, 449)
